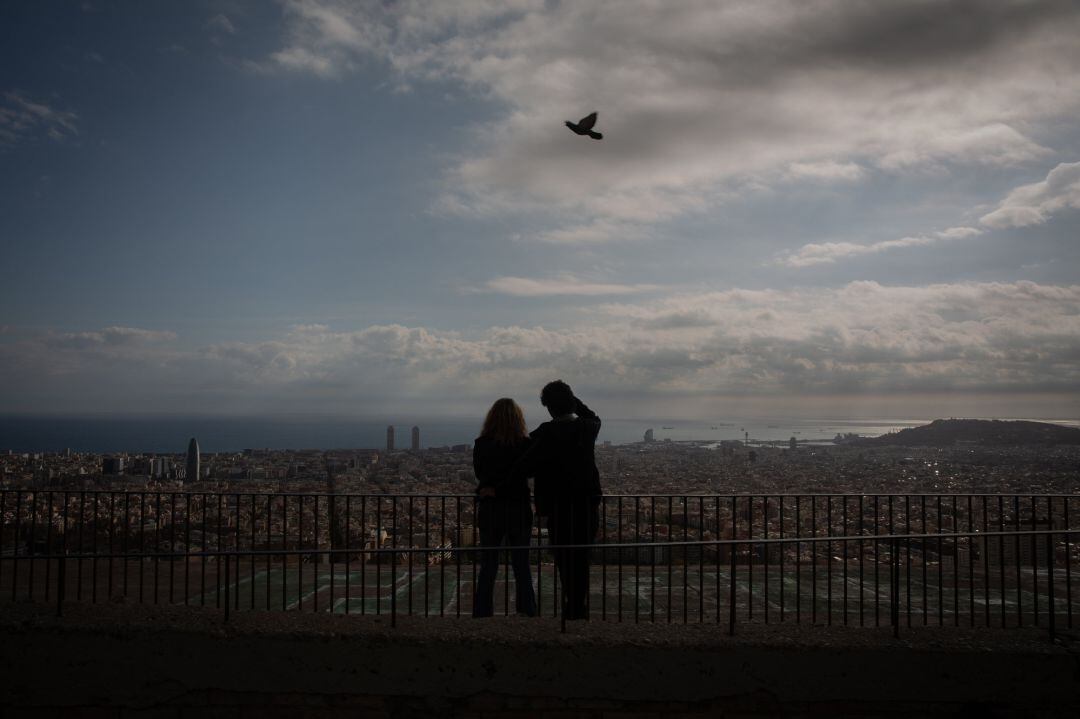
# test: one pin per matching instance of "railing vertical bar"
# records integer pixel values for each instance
(32, 546)
(253, 547)
(1068, 566)
(284, 550)
(380, 557)
(15, 550)
(442, 565)
(393, 558)
(127, 533)
(317, 559)
(907, 556)
(618, 529)
(61, 577)
(940, 568)
(202, 559)
(798, 560)
(956, 562)
(3, 521)
(187, 546)
(376, 541)
(1017, 561)
(331, 557)
(845, 555)
(637, 558)
(1001, 555)
(750, 558)
(731, 595)
(603, 558)
(348, 552)
(862, 553)
(877, 561)
(652, 555)
(813, 560)
(783, 551)
(1034, 564)
(1051, 565)
(427, 555)
(172, 548)
(269, 544)
(218, 568)
(670, 556)
(78, 561)
(766, 547)
(299, 555)
(894, 583)
(701, 559)
(157, 546)
(922, 551)
(226, 557)
(734, 550)
(719, 538)
(457, 555)
(236, 574)
(410, 544)
(539, 567)
(48, 543)
(505, 557)
(971, 542)
(142, 542)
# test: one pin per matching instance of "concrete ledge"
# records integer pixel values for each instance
(121, 660)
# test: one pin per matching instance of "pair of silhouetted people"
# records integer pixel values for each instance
(559, 456)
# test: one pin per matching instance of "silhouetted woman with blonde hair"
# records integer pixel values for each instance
(504, 510)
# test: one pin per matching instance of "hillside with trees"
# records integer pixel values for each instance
(980, 432)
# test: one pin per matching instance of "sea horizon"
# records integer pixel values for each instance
(158, 433)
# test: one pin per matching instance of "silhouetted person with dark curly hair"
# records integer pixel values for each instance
(503, 508)
(567, 488)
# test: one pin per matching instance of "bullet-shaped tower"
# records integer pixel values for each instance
(192, 473)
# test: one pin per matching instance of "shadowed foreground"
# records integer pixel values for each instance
(121, 660)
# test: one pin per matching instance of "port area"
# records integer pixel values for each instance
(121, 660)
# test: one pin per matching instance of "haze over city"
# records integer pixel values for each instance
(361, 209)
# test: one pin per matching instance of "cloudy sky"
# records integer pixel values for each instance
(802, 207)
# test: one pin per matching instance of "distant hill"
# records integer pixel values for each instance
(981, 432)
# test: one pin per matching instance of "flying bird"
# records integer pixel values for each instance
(584, 127)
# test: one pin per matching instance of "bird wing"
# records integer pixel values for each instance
(587, 122)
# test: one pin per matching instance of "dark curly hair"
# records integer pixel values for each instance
(558, 398)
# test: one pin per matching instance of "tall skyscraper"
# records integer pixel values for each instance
(416, 439)
(390, 438)
(192, 474)
(649, 435)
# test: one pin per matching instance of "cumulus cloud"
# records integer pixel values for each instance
(1034, 204)
(566, 285)
(697, 96)
(22, 118)
(862, 337)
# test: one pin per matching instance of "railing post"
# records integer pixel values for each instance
(1050, 609)
(61, 585)
(731, 595)
(894, 586)
(227, 582)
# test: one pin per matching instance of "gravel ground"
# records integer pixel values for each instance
(134, 619)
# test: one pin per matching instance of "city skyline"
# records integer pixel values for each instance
(320, 207)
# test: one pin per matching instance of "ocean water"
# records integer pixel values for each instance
(104, 434)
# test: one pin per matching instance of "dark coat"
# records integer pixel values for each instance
(492, 462)
(562, 459)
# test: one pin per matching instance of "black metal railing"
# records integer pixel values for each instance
(866, 560)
